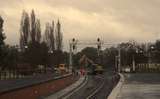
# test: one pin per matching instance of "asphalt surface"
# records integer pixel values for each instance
(7, 85)
(93, 83)
(141, 86)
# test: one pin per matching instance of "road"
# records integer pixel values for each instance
(141, 86)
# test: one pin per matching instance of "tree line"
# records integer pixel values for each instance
(129, 51)
(35, 48)
(38, 48)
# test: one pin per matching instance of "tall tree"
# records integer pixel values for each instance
(47, 34)
(24, 30)
(59, 37)
(52, 38)
(38, 31)
(33, 27)
(2, 44)
(2, 36)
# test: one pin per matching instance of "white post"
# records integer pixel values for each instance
(133, 63)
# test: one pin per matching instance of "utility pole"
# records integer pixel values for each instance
(133, 57)
(116, 65)
(70, 56)
(119, 59)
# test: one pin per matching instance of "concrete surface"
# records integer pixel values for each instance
(116, 90)
(140, 86)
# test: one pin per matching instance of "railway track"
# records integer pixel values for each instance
(104, 90)
(92, 86)
(97, 87)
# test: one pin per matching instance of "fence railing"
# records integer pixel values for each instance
(15, 74)
(153, 67)
(10, 75)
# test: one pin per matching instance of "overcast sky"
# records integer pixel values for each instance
(111, 20)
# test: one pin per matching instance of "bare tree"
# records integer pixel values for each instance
(24, 29)
(47, 34)
(33, 27)
(38, 31)
(21, 42)
(2, 44)
(52, 38)
(2, 36)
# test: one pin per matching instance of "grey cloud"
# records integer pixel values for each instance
(86, 19)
